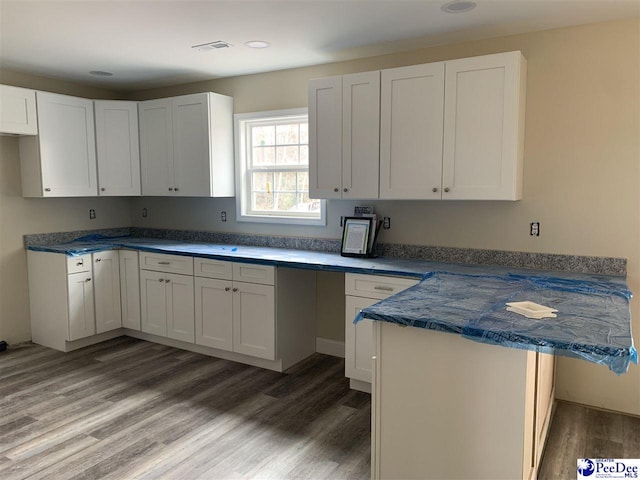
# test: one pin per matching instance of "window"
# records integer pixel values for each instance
(272, 156)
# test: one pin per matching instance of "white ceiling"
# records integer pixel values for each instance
(147, 43)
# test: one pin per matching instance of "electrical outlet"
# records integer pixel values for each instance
(223, 216)
(534, 229)
(92, 214)
(386, 223)
(145, 213)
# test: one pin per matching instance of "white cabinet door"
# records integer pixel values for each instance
(484, 126)
(153, 302)
(358, 339)
(130, 289)
(360, 135)
(18, 111)
(214, 313)
(191, 145)
(82, 321)
(61, 160)
(156, 147)
(106, 279)
(411, 126)
(180, 314)
(254, 325)
(118, 147)
(325, 138)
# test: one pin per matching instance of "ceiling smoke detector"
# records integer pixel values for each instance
(458, 6)
(218, 44)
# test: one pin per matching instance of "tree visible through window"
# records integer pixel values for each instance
(274, 166)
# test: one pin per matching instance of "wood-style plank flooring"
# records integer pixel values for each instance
(129, 409)
(132, 409)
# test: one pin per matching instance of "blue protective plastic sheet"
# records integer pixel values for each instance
(593, 320)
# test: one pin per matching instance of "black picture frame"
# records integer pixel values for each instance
(356, 235)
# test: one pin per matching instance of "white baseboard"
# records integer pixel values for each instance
(327, 346)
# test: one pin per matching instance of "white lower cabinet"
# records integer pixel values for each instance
(236, 316)
(106, 278)
(167, 305)
(363, 291)
(82, 320)
(130, 289)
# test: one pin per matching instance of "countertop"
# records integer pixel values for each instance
(593, 322)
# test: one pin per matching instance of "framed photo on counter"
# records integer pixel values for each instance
(356, 233)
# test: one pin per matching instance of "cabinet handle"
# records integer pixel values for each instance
(102, 189)
(171, 189)
(161, 280)
(47, 189)
(435, 189)
(80, 263)
(226, 289)
(446, 189)
(336, 189)
(385, 289)
(235, 289)
(164, 263)
(88, 280)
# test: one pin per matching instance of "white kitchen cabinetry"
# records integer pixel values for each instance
(411, 126)
(444, 406)
(118, 148)
(187, 146)
(363, 291)
(74, 301)
(106, 278)
(130, 289)
(17, 111)
(484, 127)
(235, 315)
(344, 116)
(61, 160)
(167, 299)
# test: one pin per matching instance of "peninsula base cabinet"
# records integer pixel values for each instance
(445, 407)
(74, 301)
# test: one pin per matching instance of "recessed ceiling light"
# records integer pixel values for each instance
(257, 44)
(100, 73)
(458, 6)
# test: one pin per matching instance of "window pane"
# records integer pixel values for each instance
(304, 155)
(287, 134)
(264, 156)
(287, 155)
(265, 135)
(303, 182)
(304, 133)
(285, 182)
(262, 181)
(262, 201)
(284, 201)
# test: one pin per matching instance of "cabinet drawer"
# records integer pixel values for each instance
(79, 264)
(205, 267)
(166, 263)
(247, 272)
(375, 286)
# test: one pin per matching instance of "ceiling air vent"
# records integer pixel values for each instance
(205, 47)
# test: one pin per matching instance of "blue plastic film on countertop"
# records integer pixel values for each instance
(593, 322)
(593, 319)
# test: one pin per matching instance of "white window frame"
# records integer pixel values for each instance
(243, 189)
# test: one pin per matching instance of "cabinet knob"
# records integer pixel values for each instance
(80, 263)
(47, 189)
(88, 280)
(176, 189)
(161, 280)
(235, 289)
(102, 189)
(446, 189)
(226, 289)
(98, 260)
(167, 280)
(336, 189)
(345, 190)
(171, 189)
(435, 189)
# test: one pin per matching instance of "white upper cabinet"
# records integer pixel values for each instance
(344, 116)
(412, 100)
(17, 111)
(187, 146)
(118, 148)
(484, 127)
(61, 160)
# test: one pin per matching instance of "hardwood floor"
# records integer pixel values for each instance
(582, 432)
(132, 409)
(129, 409)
